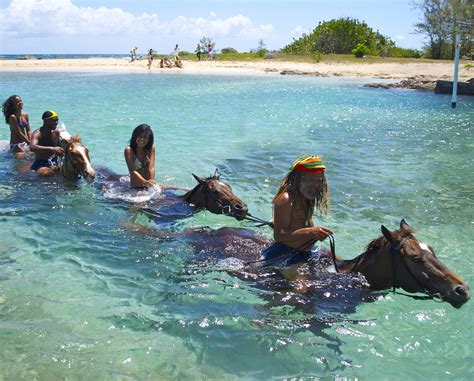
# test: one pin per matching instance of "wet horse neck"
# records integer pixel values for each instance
(376, 267)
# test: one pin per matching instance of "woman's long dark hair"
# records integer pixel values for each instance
(140, 130)
(9, 107)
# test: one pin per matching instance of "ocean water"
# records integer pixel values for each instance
(83, 296)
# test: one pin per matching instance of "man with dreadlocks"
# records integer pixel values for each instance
(302, 190)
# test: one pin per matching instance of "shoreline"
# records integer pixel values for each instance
(385, 71)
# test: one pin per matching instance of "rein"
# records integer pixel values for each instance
(394, 251)
(69, 161)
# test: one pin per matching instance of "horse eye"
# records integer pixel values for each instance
(416, 259)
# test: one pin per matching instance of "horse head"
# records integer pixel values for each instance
(398, 259)
(77, 161)
(216, 196)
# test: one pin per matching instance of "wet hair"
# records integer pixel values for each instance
(140, 130)
(9, 107)
(291, 184)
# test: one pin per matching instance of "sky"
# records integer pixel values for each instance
(115, 26)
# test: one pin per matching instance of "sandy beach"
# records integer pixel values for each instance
(395, 71)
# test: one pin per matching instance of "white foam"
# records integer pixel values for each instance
(125, 193)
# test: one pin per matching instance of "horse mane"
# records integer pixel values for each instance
(191, 192)
(379, 244)
(75, 139)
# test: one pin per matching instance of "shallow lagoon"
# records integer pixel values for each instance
(82, 297)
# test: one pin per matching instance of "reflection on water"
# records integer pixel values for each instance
(82, 293)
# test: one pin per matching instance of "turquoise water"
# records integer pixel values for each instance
(83, 297)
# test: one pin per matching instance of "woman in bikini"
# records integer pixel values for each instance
(20, 133)
(140, 157)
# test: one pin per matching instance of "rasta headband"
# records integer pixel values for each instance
(309, 164)
(50, 114)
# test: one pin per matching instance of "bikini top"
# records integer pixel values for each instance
(21, 123)
(138, 164)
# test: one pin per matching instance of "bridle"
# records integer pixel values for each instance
(225, 209)
(395, 252)
(68, 160)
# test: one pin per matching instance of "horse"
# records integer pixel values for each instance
(76, 161)
(398, 260)
(394, 260)
(215, 196)
(210, 193)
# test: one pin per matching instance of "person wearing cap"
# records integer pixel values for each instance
(46, 150)
(303, 190)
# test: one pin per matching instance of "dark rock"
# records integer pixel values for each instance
(446, 87)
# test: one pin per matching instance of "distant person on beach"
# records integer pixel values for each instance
(302, 190)
(166, 63)
(209, 51)
(140, 157)
(175, 51)
(178, 63)
(20, 133)
(150, 58)
(198, 52)
(133, 54)
(46, 151)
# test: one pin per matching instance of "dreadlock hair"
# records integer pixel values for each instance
(291, 184)
(141, 130)
(9, 107)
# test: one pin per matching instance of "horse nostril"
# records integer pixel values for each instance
(461, 290)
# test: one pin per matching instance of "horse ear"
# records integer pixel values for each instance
(75, 139)
(217, 174)
(200, 180)
(404, 225)
(386, 233)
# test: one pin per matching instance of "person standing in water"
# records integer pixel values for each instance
(20, 132)
(46, 151)
(140, 157)
(303, 190)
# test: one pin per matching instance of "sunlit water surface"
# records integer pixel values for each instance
(83, 296)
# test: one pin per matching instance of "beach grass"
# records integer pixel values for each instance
(312, 58)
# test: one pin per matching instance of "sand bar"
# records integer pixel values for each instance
(395, 71)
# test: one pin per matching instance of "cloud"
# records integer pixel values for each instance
(52, 18)
(399, 37)
(298, 31)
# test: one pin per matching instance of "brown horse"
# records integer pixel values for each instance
(215, 196)
(209, 193)
(397, 259)
(76, 162)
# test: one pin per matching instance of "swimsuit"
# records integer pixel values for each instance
(281, 255)
(19, 145)
(39, 163)
(22, 124)
(138, 164)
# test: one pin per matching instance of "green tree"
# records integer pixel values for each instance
(205, 42)
(340, 37)
(441, 21)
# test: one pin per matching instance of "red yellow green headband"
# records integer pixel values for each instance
(309, 164)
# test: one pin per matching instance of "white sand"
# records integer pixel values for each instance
(433, 71)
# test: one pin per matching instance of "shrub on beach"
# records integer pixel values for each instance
(360, 50)
(404, 53)
(228, 50)
(340, 37)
